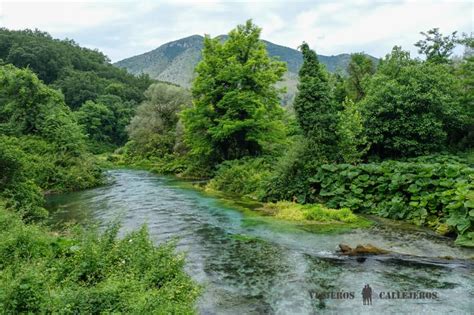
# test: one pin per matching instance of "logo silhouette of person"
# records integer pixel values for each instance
(369, 294)
(365, 300)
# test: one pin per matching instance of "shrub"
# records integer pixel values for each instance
(21, 193)
(289, 180)
(89, 272)
(434, 194)
(48, 167)
(243, 177)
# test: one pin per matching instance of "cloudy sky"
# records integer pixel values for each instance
(125, 28)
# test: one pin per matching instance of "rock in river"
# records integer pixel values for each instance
(367, 249)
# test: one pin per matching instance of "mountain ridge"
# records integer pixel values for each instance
(175, 61)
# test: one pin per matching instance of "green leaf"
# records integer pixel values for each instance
(466, 239)
(469, 204)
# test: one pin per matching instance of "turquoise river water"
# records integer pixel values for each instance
(249, 264)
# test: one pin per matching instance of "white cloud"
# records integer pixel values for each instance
(56, 16)
(125, 28)
(375, 27)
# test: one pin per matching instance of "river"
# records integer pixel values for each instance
(249, 264)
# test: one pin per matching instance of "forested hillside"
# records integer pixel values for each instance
(85, 77)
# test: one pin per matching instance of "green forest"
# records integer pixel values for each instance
(393, 139)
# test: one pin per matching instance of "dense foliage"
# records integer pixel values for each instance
(353, 144)
(246, 177)
(349, 144)
(236, 109)
(366, 120)
(412, 108)
(81, 75)
(465, 73)
(438, 192)
(88, 272)
(154, 130)
(315, 108)
(43, 148)
(360, 69)
(41, 145)
(27, 106)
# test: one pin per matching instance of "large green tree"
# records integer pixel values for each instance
(314, 106)
(29, 107)
(236, 109)
(152, 130)
(411, 107)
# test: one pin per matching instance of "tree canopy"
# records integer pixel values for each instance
(236, 109)
(360, 69)
(411, 107)
(152, 130)
(436, 47)
(81, 75)
(314, 106)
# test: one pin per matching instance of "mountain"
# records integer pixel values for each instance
(175, 62)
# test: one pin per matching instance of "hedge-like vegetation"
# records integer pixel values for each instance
(439, 194)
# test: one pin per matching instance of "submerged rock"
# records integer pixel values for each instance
(367, 249)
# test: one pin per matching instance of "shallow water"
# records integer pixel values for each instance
(257, 265)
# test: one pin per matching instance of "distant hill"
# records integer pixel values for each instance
(175, 62)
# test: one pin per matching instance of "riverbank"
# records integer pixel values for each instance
(316, 218)
(433, 191)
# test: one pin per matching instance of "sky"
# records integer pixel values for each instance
(123, 28)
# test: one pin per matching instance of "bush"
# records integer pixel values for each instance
(289, 180)
(243, 177)
(439, 195)
(21, 193)
(48, 167)
(89, 272)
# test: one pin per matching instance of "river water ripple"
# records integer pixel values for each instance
(254, 265)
